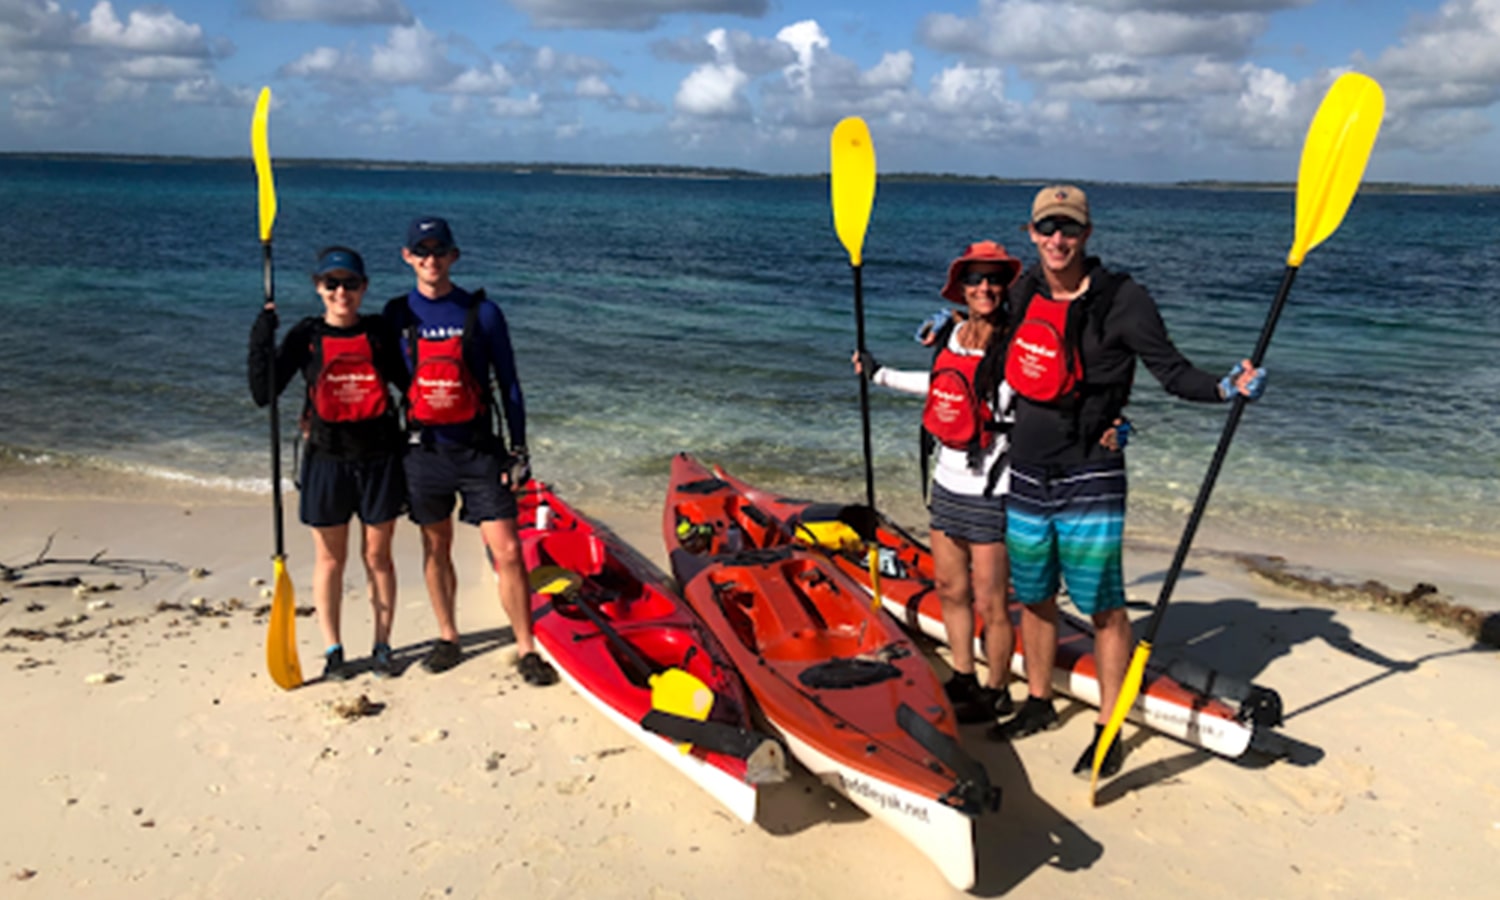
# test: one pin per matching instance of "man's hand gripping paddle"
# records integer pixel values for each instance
(1334, 155)
(281, 633)
(852, 178)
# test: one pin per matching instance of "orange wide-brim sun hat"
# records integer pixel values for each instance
(980, 252)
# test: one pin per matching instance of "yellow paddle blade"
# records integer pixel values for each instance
(1129, 690)
(853, 180)
(1334, 155)
(281, 633)
(553, 580)
(874, 576)
(261, 149)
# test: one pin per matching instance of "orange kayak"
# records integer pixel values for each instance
(616, 628)
(1178, 698)
(853, 698)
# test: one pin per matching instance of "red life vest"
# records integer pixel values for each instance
(954, 414)
(443, 390)
(348, 388)
(1039, 364)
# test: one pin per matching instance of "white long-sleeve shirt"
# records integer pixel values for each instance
(952, 469)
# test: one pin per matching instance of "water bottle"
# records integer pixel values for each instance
(543, 516)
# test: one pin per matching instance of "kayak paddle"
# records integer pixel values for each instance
(852, 179)
(1334, 155)
(673, 691)
(281, 634)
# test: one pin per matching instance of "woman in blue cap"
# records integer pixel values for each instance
(354, 441)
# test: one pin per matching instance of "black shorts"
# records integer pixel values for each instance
(334, 490)
(437, 474)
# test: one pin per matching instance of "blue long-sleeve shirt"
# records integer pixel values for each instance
(444, 318)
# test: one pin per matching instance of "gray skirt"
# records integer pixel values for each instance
(964, 517)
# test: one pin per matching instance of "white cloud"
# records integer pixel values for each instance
(1031, 31)
(492, 79)
(157, 68)
(412, 55)
(963, 89)
(316, 63)
(593, 87)
(894, 70)
(150, 30)
(208, 91)
(35, 24)
(805, 38)
(363, 12)
(628, 15)
(713, 91)
(528, 107)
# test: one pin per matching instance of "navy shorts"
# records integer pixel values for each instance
(438, 474)
(334, 490)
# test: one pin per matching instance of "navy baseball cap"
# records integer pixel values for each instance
(335, 258)
(429, 228)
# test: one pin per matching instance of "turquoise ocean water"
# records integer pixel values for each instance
(653, 315)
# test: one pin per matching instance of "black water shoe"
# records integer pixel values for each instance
(1034, 715)
(444, 656)
(382, 661)
(334, 667)
(1114, 758)
(536, 671)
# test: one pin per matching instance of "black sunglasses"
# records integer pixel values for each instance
(422, 251)
(352, 283)
(1053, 224)
(975, 279)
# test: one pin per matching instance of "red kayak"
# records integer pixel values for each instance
(613, 628)
(854, 699)
(1178, 698)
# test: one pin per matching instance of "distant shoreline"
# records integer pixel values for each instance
(651, 170)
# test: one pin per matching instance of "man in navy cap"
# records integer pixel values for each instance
(453, 341)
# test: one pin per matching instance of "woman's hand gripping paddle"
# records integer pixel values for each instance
(1334, 155)
(673, 690)
(281, 633)
(852, 177)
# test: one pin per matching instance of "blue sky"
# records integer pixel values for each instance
(1133, 90)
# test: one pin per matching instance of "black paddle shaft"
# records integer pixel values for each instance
(864, 384)
(270, 289)
(643, 668)
(1236, 410)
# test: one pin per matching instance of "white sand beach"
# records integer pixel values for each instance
(146, 753)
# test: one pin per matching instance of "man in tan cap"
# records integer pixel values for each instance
(1077, 330)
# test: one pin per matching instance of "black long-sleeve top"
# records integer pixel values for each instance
(1068, 434)
(344, 440)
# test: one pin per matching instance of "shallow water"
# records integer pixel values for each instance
(657, 315)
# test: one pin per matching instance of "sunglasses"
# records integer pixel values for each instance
(1050, 226)
(422, 251)
(975, 279)
(352, 283)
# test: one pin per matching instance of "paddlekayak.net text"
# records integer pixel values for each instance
(869, 792)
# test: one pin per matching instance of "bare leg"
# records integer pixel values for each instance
(991, 583)
(504, 543)
(330, 550)
(381, 572)
(950, 564)
(1039, 637)
(442, 579)
(1112, 638)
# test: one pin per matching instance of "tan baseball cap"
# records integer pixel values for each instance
(1061, 200)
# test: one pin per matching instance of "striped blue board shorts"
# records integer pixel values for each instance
(1068, 523)
(964, 517)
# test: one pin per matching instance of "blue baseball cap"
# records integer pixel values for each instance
(335, 258)
(429, 228)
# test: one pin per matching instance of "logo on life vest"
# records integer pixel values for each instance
(348, 387)
(954, 414)
(443, 392)
(1037, 365)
